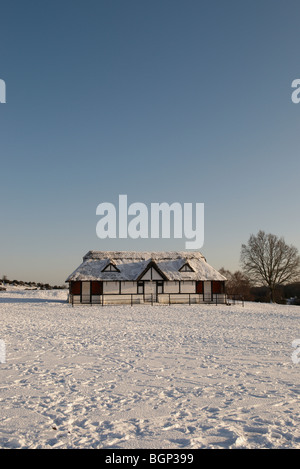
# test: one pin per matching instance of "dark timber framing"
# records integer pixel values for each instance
(133, 277)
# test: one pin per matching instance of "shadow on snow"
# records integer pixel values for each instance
(32, 300)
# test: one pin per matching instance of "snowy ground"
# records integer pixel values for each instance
(147, 376)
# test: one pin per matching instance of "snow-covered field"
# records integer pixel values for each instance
(147, 376)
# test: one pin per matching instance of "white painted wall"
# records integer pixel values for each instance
(76, 298)
(207, 289)
(110, 287)
(86, 288)
(152, 274)
(128, 287)
(147, 275)
(155, 275)
(171, 287)
(150, 288)
(96, 299)
(86, 292)
(188, 286)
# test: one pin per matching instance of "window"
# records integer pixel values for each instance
(217, 287)
(160, 286)
(110, 268)
(97, 288)
(140, 288)
(75, 288)
(186, 268)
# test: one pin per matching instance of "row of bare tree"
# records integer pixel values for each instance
(268, 263)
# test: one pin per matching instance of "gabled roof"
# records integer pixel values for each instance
(152, 264)
(186, 268)
(132, 265)
(110, 267)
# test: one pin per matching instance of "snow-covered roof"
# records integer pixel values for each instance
(131, 264)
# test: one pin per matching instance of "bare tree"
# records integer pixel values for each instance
(237, 283)
(268, 259)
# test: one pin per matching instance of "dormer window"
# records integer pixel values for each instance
(186, 268)
(110, 268)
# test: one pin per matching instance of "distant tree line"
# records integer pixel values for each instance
(37, 285)
(239, 285)
(270, 271)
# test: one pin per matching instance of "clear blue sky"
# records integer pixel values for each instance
(169, 100)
